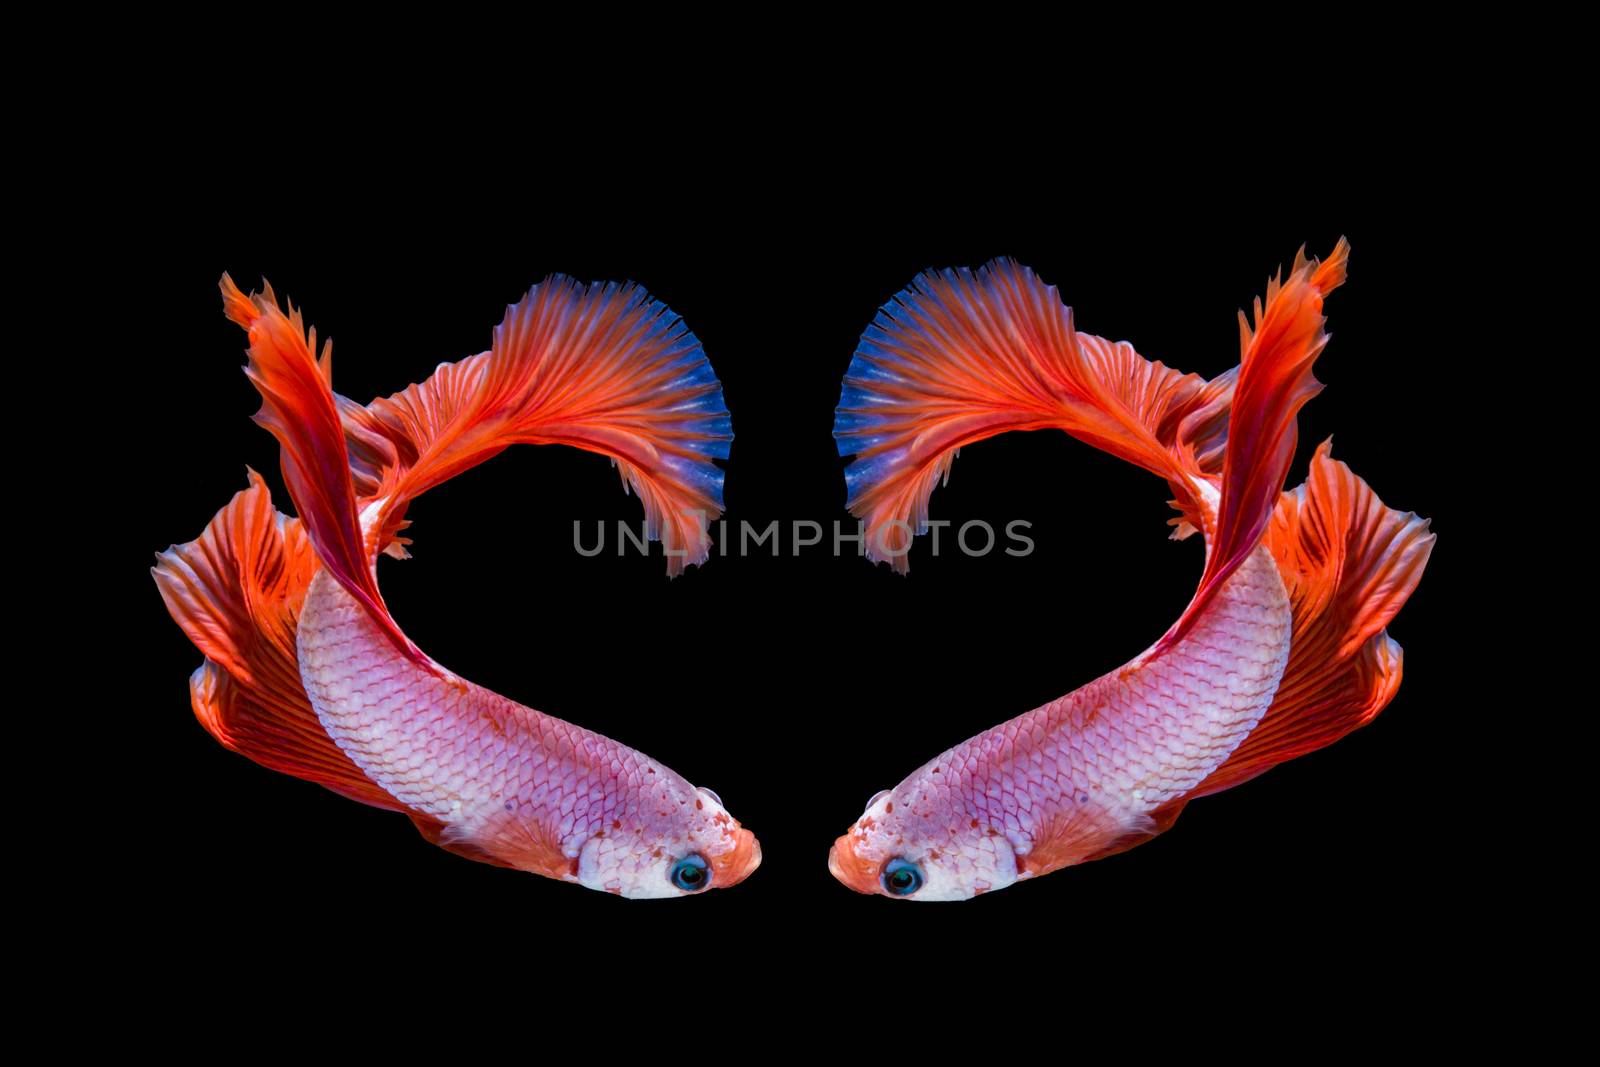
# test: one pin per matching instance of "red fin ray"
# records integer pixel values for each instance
(605, 368)
(1274, 382)
(299, 409)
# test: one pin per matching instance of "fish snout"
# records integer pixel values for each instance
(855, 872)
(739, 862)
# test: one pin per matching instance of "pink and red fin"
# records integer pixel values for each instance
(601, 367)
(962, 355)
(236, 592)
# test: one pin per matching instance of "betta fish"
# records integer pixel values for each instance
(307, 673)
(1282, 650)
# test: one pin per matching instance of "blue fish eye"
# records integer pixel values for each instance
(901, 878)
(691, 874)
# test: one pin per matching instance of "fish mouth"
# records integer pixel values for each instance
(739, 862)
(855, 872)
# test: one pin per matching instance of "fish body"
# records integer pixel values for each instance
(1053, 786)
(1281, 651)
(306, 671)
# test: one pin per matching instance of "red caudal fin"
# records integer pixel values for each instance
(600, 367)
(1274, 381)
(963, 355)
(299, 408)
(236, 591)
(1349, 563)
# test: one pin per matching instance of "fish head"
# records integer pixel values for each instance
(692, 845)
(895, 850)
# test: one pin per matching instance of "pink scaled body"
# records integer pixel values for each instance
(565, 802)
(1060, 783)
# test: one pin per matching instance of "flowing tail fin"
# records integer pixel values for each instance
(236, 591)
(960, 356)
(605, 368)
(1349, 564)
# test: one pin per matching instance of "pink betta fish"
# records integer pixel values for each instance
(306, 672)
(1282, 650)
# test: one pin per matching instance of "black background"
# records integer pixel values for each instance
(798, 686)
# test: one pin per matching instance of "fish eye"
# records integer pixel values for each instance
(691, 874)
(901, 877)
(714, 798)
(879, 795)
